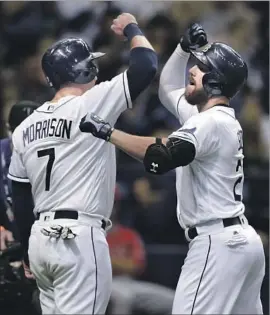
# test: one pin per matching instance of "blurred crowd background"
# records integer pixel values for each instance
(145, 206)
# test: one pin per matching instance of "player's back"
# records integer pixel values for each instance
(211, 186)
(66, 168)
(69, 169)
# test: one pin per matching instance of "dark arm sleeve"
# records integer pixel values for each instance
(142, 69)
(160, 158)
(23, 206)
(182, 152)
(4, 221)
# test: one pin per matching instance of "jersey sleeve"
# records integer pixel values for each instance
(172, 86)
(17, 171)
(202, 132)
(113, 98)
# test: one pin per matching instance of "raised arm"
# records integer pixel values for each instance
(110, 98)
(143, 58)
(172, 79)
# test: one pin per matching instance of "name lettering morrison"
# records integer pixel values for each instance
(59, 128)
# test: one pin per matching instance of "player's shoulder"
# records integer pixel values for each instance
(201, 118)
(215, 115)
(17, 134)
(224, 116)
(18, 131)
(118, 78)
(101, 90)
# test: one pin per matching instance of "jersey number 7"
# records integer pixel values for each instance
(51, 153)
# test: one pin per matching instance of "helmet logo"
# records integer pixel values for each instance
(28, 110)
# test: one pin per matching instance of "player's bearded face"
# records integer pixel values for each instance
(195, 93)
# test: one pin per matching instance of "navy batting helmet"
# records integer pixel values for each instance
(70, 60)
(19, 112)
(225, 70)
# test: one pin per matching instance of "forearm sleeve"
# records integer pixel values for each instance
(172, 79)
(4, 221)
(174, 72)
(142, 69)
(23, 212)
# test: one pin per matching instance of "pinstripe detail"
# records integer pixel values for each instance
(193, 306)
(94, 251)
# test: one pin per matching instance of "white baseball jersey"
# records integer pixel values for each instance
(69, 169)
(210, 187)
(207, 188)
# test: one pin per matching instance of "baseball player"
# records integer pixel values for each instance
(18, 112)
(224, 267)
(71, 175)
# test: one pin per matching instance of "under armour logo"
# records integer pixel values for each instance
(154, 167)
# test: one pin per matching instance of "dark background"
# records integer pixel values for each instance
(148, 204)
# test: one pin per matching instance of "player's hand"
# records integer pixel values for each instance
(91, 123)
(121, 22)
(5, 238)
(194, 38)
(27, 272)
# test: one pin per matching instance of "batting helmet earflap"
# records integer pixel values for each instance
(227, 71)
(19, 112)
(70, 60)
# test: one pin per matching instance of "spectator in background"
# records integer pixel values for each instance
(250, 119)
(128, 259)
(104, 41)
(18, 113)
(26, 26)
(31, 81)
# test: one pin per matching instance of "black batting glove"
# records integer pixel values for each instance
(194, 38)
(91, 123)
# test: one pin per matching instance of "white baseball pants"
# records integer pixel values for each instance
(222, 273)
(74, 276)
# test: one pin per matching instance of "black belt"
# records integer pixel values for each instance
(70, 214)
(192, 232)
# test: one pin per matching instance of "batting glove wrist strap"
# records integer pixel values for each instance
(105, 132)
(132, 30)
(91, 123)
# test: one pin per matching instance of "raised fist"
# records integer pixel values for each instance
(121, 22)
(195, 37)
